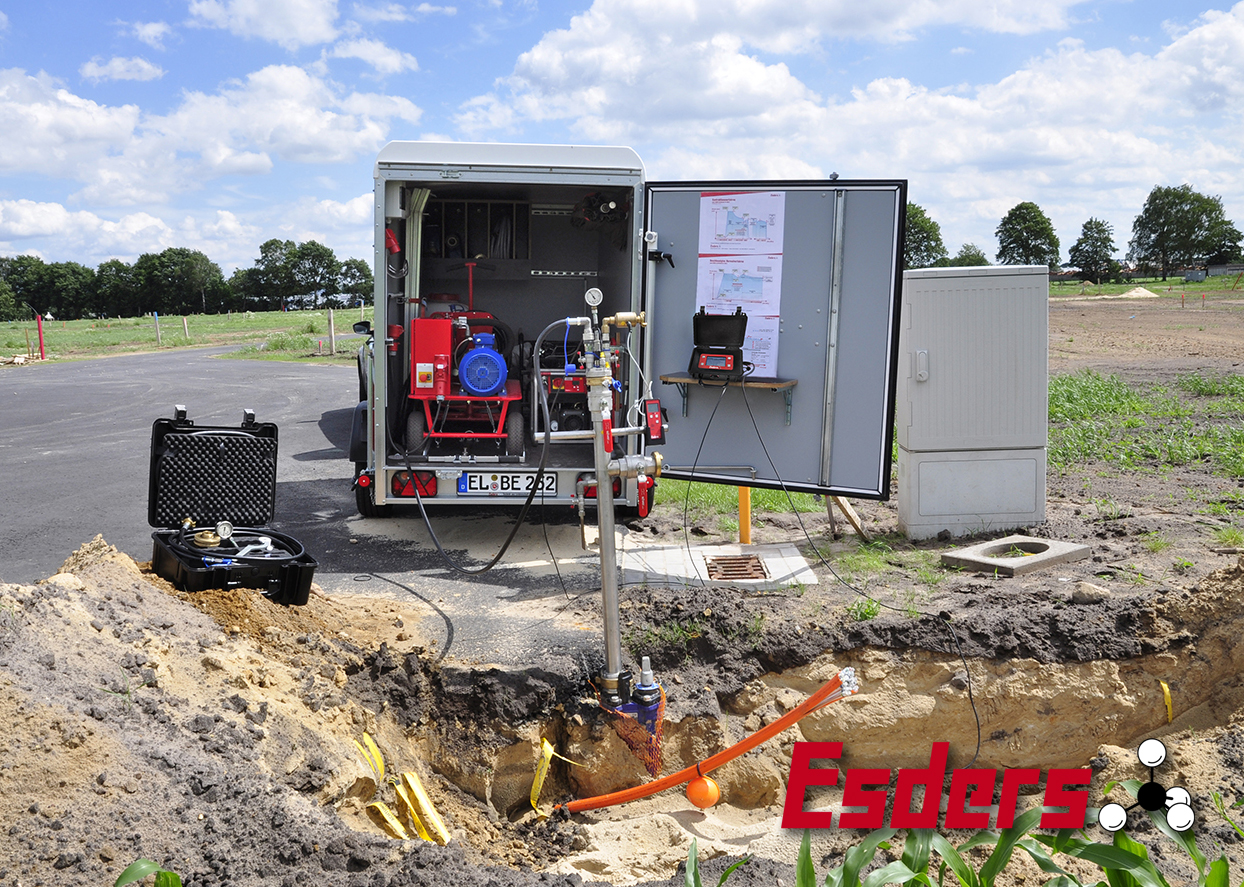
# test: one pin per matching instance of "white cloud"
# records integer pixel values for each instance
(4, 21)
(1082, 131)
(53, 132)
(395, 12)
(288, 23)
(279, 113)
(117, 68)
(152, 33)
(133, 233)
(384, 59)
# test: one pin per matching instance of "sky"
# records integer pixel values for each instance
(218, 124)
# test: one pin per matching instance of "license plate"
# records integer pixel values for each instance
(487, 483)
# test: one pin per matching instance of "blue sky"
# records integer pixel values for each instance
(217, 124)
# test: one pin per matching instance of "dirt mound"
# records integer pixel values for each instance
(219, 745)
(214, 732)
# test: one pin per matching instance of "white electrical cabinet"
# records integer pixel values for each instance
(972, 409)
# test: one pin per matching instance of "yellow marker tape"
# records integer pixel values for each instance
(406, 807)
(376, 755)
(1166, 693)
(372, 756)
(422, 806)
(542, 770)
(383, 817)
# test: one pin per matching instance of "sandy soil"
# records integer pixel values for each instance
(214, 732)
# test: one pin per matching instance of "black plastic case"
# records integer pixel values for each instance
(718, 352)
(215, 473)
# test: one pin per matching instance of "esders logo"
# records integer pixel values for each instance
(868, 788)
(1175, 802)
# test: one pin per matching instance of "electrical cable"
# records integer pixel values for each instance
(686, 502)
(826, 564)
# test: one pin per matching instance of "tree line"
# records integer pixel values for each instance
(1177, 228)
(181, 281)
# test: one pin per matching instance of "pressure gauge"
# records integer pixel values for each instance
(224, 529)
(594, 296)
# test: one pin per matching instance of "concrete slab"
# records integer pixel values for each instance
(1015, 555)
(783, 565)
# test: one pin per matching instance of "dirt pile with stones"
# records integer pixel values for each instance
(214, 732)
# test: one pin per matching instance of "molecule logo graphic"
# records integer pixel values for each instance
(1175, 801)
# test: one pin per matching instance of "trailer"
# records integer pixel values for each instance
(499, 268)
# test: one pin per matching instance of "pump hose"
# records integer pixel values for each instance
(840, 686)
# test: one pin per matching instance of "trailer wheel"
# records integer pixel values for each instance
(367, 506)
(416, 429)
(514, 433)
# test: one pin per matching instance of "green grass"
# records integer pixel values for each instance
(98, 338)
(863, 609)
(724, 499)
(1219, 286)
(1102, 418)
(1155, 542)
(1213, 386)
(1229, 537)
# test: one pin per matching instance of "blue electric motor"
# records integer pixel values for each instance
(482, 371)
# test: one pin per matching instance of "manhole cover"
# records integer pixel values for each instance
(730, 568)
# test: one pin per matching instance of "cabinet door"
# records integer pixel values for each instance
(815, 266)
(974, 366)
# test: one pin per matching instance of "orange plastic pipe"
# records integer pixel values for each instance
(722, 757)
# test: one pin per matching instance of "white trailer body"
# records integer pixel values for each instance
(506, 239)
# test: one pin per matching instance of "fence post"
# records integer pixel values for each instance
(332, 334)
(156, 315)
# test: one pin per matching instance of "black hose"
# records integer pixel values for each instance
(536, 485)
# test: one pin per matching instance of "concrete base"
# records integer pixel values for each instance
(679, 565)
(1015, 555)
(975, 491)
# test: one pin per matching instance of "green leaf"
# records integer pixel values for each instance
(1043, 860)
(861, 855)
(1217, 874)
(692, 878)
(1001, 855)
(805, 875)
(730, 871)
(916, 849)
(1222, 811)
(951, 857)
(136, 871)
(1123, 868)
(166, 878)
(894, 873)
(1183, 839)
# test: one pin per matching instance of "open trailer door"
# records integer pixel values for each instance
(816, 267)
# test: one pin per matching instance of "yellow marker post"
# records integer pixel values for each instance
(1166, 694)
(745, 515)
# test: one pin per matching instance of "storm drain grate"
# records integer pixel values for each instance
(730, 568)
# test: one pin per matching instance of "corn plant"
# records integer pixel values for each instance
(693, 867)
(141, 868)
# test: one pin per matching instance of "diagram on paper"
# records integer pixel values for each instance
(753, 283)
(742, 223)
(760, 346)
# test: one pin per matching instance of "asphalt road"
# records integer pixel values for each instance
(75, 442)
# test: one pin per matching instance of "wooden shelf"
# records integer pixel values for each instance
(684, 381)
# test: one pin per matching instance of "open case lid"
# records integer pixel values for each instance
(719, 330)
(212, 473)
